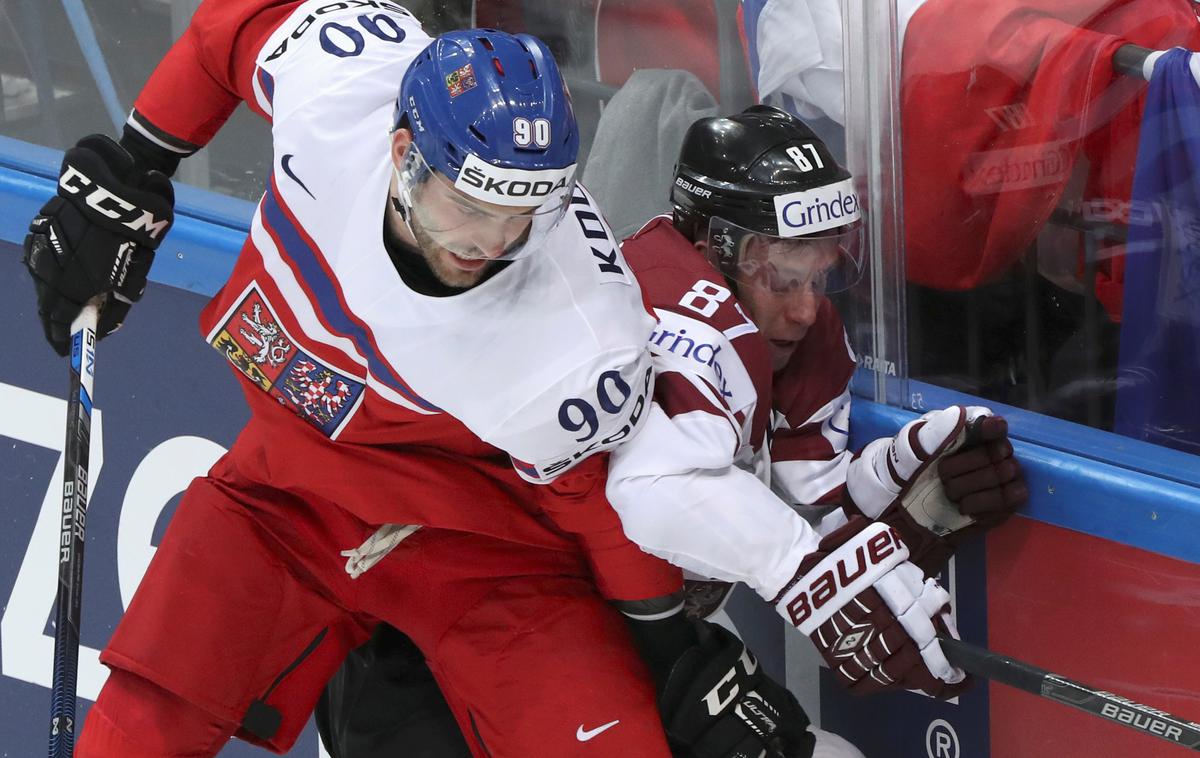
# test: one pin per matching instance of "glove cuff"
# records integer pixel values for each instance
(926, 550)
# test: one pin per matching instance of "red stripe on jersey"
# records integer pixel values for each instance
(677, 396)
(337, 359)
(291, 263)
(213, 63)
(803, 444)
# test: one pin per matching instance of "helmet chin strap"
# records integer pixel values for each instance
(398, 206)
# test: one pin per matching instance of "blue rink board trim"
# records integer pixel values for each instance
(1082, 479)
(1077, 439)
(1078, 492)
(198, 253)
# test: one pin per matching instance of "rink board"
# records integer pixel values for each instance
(1097, 581)
(1053, 588)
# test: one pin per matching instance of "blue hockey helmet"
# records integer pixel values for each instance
(479, 92)
(490, 116)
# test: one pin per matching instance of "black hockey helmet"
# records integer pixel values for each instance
(764, 172)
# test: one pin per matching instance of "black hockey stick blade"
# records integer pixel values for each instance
(68, 601)
(1119, 710)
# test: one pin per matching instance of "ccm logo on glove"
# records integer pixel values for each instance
(714, 700)
(840, 570)
(108, 204)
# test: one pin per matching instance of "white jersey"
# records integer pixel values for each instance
(546, 360)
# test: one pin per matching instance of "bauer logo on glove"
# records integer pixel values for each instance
(872, 615)
(841, 573)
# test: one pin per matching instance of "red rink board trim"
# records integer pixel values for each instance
(1109, 615)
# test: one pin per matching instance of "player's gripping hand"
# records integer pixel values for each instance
(873, 616)
(718, 703)
(943, 477)
(96, 237)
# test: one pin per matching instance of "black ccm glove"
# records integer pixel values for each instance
(96, 237)
(718, 703)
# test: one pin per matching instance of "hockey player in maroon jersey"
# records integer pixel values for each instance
(760, 197)
(776, 219)
(765, 226)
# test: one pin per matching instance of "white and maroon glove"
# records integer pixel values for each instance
(975, 485)
(873, 616)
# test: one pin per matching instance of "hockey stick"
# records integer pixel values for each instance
(70, 536)
(1000, 668)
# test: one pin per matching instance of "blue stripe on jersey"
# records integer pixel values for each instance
(267, 82)
(326, 298)
(751, 10)
(526, 468)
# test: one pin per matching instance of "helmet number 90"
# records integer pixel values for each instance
(576, 414)
(527, 132)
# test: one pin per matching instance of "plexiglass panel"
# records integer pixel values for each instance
(1031, 197)
(1049, 200)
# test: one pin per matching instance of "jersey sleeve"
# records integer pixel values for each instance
(559, 440)
(576, 503)
(276, 55)
(681, 498)
(211, 62)
(675, 485)
(593, 409)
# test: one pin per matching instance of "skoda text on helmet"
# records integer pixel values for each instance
(762, 179)
(490, 118)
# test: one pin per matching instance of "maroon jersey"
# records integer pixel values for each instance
(803, 409)
(694, 486)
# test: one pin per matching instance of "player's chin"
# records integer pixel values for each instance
(781, 352)
(460, 272)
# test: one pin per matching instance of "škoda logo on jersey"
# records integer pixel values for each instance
(251, 337)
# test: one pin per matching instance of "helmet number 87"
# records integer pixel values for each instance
(527, 132)
(797, 154)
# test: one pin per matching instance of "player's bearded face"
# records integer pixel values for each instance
(782, 285)
(461, 238)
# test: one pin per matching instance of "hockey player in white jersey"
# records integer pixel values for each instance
(428, 317)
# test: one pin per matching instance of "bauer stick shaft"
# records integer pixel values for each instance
(71, 529)
(1023, 676)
